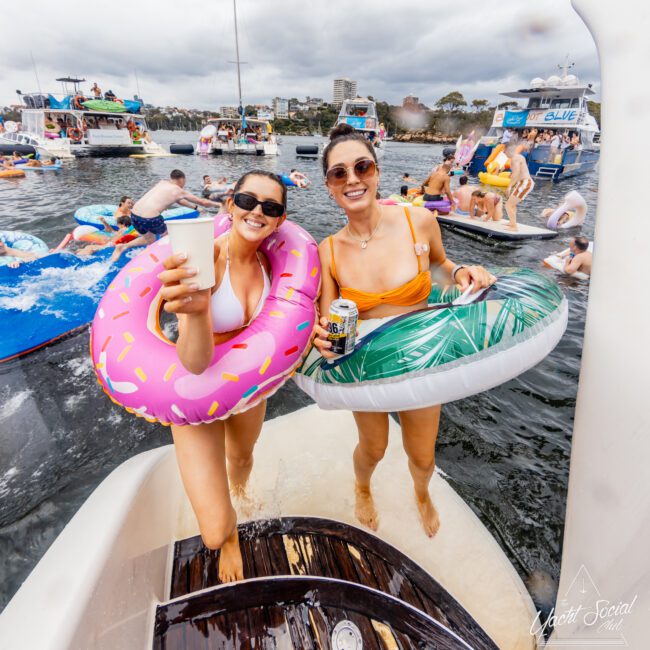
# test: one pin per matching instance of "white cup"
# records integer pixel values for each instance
(195, 237)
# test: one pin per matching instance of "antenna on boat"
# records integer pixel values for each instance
(38, 83)
(137, 82)
(566, 66)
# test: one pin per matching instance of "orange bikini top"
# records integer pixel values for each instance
(411, 293)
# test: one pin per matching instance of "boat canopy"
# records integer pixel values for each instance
(550, 91)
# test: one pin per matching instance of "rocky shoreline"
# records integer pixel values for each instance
(425, 137)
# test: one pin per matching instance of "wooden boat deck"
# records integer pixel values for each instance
(297, 612)
(297, 546)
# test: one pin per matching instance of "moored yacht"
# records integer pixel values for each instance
(237, 136)
(70, 124)
(361, 114)
(559, 104)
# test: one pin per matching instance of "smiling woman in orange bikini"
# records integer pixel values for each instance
(381, 260)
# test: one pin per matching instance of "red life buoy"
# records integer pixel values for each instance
(76, 135)
(76, 102)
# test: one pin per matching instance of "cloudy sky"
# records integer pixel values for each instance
(179, 49)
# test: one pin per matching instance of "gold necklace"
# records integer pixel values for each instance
(364, 242)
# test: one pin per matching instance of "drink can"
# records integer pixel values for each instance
(342, 326)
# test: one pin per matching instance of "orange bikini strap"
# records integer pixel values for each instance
(408, 218)
(333, 262)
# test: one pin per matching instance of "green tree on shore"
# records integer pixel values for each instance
(451, 101)
(479, 104)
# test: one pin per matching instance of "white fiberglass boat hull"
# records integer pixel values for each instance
(98, 584)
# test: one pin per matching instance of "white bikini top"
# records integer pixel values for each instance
(227, 312)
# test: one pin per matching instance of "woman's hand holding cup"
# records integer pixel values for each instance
(180, 297)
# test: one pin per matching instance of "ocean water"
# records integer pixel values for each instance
(506, 452)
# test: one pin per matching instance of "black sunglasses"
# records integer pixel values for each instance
(248, 203)
(363, 169)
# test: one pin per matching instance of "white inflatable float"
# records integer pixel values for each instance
(575, 206)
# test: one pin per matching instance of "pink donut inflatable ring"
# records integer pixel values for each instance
(137, 365)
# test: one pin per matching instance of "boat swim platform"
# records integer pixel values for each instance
(303, 576)
(494, 229)
(320, 548)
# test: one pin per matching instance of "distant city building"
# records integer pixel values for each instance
(281, 108)
(314, 102)
(344, 88)
(229, 112)
(410, 101)
(265, 114)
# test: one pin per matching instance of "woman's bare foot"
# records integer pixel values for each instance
(231, 565)
(511, 227)
(365, 507)
(428, 515)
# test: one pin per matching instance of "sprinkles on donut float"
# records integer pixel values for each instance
(139, 368)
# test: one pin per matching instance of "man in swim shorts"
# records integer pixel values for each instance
(437, 184)
(578, 258)
(462, 197)
(521, 184)
(146, 215)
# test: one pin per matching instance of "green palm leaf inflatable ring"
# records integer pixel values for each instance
(445, 352)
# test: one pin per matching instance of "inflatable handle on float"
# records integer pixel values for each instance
(64, 242)
(138, 367)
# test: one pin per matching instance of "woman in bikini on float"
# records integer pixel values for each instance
(217, 457)
(381, 260)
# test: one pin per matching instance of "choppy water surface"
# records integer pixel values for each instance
(506, 451)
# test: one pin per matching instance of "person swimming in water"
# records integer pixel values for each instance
(381, 260)
(216, 459)
(578, 257)
(123, 226)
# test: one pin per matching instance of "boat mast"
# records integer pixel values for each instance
(241, 108)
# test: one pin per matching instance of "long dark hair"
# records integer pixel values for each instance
(345, 133)
(262, 172)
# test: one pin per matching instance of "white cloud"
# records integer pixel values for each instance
(181, 49)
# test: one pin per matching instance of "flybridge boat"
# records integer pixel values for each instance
(558, 104)
(238, 136)
(72, 123)
(361, 115)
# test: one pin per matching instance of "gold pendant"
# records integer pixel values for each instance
(364, 244)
